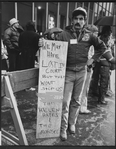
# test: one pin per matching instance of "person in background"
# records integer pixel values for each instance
(52, 35)
(38, 52)
(28, 44)
(112, 67)
(11, 37)
(83, 107)
(79, 41)
(101, 72)
(4, 57)
(105, 65)
(94, 84)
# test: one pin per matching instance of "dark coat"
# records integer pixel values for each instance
(78, 52)
(28, 44)
(11, 37)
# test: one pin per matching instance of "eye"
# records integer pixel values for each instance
(81, 19)
(76, 18)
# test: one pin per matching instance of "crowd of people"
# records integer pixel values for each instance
(21, 45)
(90, 60)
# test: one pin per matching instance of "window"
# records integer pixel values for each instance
(62, 21)
(90, 17)
(79, 4)
(96, 7)
(96, 11)
(71, 8)
(24, 10)
(7, 13)
(110, 8)
(63, 13)
(104, 5)
(91, 5)
(40, 17)
(86, 4)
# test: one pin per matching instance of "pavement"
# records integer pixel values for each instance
(94, 129)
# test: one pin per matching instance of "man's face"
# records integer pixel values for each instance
(78, 22)
(16, 25)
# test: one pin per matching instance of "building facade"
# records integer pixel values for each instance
(52, 14)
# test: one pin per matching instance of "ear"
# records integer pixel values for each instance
(72, 22)
(85, 22)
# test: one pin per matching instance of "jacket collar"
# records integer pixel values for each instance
(73, 32)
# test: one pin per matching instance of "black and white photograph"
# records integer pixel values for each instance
(58, 62)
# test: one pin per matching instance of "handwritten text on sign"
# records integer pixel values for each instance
(49, 118)
(52, 66)
(51, 85)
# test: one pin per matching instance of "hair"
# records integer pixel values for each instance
(49, 35)
(105, 34)
(30, 26)
(106, 30)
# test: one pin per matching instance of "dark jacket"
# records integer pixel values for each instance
(28, 41)
(28, 44)
(78, 53)
(11, 37)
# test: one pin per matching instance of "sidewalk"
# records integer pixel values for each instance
(95, 129)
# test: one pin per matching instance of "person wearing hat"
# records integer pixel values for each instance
(83, 107)
(79, 41)
(101, 73)
(11, 36)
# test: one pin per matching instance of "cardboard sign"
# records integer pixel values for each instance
(52, 67)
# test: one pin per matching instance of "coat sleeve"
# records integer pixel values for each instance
(108, 55)
(7, 41)
(99, 47)
(102, 50)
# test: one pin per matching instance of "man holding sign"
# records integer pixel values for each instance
(79, 40)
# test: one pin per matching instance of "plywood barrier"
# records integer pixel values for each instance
(11, 83)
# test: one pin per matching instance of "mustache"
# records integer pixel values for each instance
(77, 24)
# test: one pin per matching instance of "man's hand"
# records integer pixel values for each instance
(90, 62)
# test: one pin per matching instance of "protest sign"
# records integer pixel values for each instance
(52, 67)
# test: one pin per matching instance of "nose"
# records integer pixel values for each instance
(78, 20)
